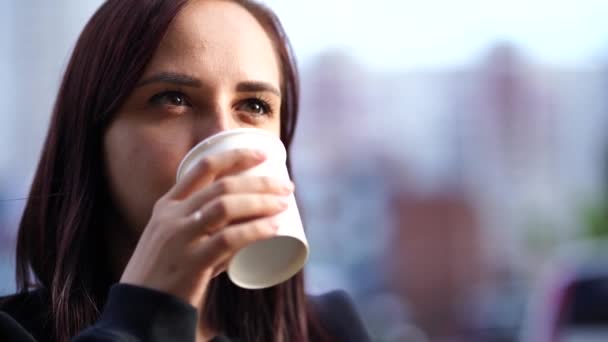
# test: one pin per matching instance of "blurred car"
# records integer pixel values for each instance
(571, 305)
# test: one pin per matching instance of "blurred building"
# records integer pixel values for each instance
(470, 178)
(435, 259)
(433, 195)
(35, 43)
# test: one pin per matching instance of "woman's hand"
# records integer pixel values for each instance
(199, 224)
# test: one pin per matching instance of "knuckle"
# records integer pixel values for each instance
(260, 226)
(224, 240)
(245, 156)
(163, 219)
(206, 164)
(267, 182)
(269, 201)
(224, 186)
(165, 235)
(243, 152)
(159, 204)
(160, 228)
(255, 226)
(220, 208)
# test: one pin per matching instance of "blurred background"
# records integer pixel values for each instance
(450, 157)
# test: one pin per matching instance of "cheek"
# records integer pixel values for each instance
(273, 126)
(141, 161)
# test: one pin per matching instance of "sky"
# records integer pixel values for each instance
(391, 34)
(388, 35)
(405, 34)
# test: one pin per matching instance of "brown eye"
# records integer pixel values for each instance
(255, 106)
(170, 98)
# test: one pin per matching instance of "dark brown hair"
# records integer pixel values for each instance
(56, 249)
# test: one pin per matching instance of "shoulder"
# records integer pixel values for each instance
(24, 304)
(338, 314)
(30, 309)
(11, 330)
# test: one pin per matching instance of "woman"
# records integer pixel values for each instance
(109, 247)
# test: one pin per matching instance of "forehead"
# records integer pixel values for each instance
(217, 37)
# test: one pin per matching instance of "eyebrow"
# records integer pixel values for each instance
(189, 81)
(171, 77)
(256, 86)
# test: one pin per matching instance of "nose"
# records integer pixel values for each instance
(216, 120)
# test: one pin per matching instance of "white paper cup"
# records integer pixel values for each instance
(269, 262)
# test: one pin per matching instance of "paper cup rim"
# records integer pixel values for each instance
(286, 275)
(215, 138)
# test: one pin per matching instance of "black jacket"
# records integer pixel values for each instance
(137, 314)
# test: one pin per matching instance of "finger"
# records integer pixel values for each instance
(214, 166)
(233, 185)
(220, 269)
(223, 245)
(230, 208)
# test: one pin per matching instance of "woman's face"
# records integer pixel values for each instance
(215, 69)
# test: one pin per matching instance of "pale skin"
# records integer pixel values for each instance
(215, 69)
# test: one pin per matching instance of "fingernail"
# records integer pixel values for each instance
(274, 225)
(259, 155)
(288, 188)
(283, 202)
